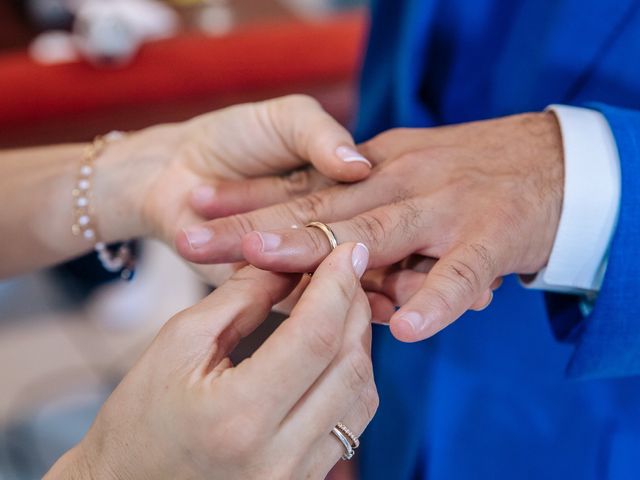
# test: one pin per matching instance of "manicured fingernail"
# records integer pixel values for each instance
(415, 321)
(360, 259)
(203, 194)
(269, 241)
(198, 237)
(349, 155)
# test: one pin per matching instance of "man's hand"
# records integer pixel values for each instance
(484, 198)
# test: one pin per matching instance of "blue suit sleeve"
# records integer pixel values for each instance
(608, 340)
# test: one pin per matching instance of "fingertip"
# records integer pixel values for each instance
(252, 246)
(192, 243)
(483, 302)
(402, 330)
(409, 326)
(350, 155)
(360, 259)
(382, 309)
(351, 166)
(182, 245)
(202, 198)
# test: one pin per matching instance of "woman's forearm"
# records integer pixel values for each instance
(36, 213)
(38, 210)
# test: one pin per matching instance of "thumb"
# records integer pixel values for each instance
(311, 133)
(454, 284)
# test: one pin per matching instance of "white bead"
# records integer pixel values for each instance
(84, 184)
(84, 220)
(82, 202)
(114, 136)
(86, 170)
(89, 234)
(100, 246)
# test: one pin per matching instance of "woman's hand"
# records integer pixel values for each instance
(165, 178)
(184, 411)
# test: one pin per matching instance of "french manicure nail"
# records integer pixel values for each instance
(203, 194)
(360, 259)
(349, 155)
(414, 320)
(198, 237)
(270, 241)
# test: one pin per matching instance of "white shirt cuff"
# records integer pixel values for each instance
(590, 204)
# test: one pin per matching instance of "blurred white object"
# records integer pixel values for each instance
(216, 18)
(54, 47)
(309, 8)
(108, 32)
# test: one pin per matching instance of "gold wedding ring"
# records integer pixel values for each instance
(324, 228)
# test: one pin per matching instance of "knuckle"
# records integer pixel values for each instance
(310, 207)
(297, 183)
(462, 275)
(181, 325)
(249, 285)
(299, 99)
(173, 328)
(242, 224)
(409, 218)
(322, 340)
(244, 434)
(370, 228)
(441, 300)
(344, 285)
(388, 136)
(360, 371)
(370, 401)
(486, 261)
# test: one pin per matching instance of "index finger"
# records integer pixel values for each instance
(219, 241)
(300, 350)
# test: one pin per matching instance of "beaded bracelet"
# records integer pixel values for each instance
(84, 225)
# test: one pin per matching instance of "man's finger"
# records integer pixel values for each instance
(453, 285)
(299, 351)
(391, 232)
(234, 197)
(382, 308)
(219, 241)
(400, 286)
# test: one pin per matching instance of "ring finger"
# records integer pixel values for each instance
(329, 450)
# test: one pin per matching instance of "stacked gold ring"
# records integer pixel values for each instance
(348, 439)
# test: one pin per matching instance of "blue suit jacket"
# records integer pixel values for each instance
(524, 390)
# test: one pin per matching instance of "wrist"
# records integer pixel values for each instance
(547, 161)
(124, 174)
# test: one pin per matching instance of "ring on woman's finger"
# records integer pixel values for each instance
(324, 228)
(348, 439)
